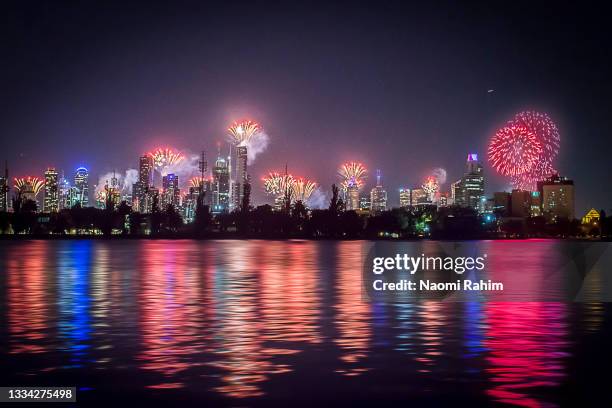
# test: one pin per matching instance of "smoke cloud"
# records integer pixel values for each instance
(185, 169)
(125, 181)
(440, 174)
(318, 200)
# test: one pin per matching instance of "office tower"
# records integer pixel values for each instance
(221, 186)
(145, 170)
(536, 204)
(443, 200)
(473, 183)
(51, 197)
(418, 196)
(404, 197)
(73, 197)
(241, 176)
(378, 195)
(63, 189)
(469, 190)
(351, 200)
(141, 199)
(364, 203)
(557, 197)
(81, 182)
(4, 189)
(171, 194)
(456, 193)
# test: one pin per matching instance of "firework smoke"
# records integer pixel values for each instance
(317, 200)
(440, 174)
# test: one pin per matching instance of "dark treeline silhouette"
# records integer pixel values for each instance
(292, 220)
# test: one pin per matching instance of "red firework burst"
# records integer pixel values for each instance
(545, 130)
(514, 150)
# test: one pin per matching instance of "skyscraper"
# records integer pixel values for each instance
(557, 197)
(51, 198)
(418, 196)
(241, 175)
(404, 197)
(81, 182)
(171, 194)
(221, 186)
(352, 197)
(469, 190)
(141, 199)
(4, 189)
(378, 195)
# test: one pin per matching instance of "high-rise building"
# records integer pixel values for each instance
(378, 195)
(171, 194)
(557, 197)
(221, 186)
(63, 190)
(418, 196)
(351, 200)
(4, 189)
(241, 176)
(81, 182)
(145, 170)
(141, 199)
(404, 197)
(469, 190)
(51, 198)
(364, 203)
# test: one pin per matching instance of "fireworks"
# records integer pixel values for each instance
(278, 185)
(353, 174)
(165, 157)
(303, 189)
(242, 132)
(430, 186)
(27, 184)
(197, 181)
(525, 149)
(514, 150)
(544, 129)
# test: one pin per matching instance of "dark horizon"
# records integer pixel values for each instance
(401, 88)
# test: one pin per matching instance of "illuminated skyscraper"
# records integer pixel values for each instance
(469, 191)
(171, 194)
(404, 197)
(141, 199)
(378, 195)
(352, 197)
(4, 189)
(557, 195)
(51, 198)
(418, 196)
(81, 182)
(221, 186)
(241, 175)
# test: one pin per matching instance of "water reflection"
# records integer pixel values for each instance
(244, 319)
(28, 310)
(74, 300)
(353, 312)
(527, 344)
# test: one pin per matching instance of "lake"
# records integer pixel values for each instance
(264, 322)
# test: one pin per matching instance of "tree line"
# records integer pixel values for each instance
(292, 220)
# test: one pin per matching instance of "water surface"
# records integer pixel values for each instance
(263, 322)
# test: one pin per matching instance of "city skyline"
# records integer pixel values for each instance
(431, 90)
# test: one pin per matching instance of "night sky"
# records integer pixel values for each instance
(399, 87)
